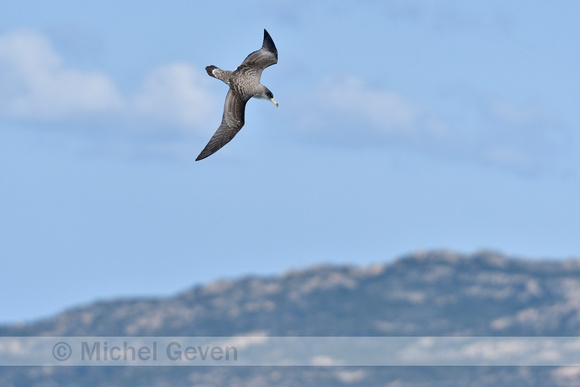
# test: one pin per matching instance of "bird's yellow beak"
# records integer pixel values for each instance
(274, 102)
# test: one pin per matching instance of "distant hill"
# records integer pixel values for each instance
(437, 293)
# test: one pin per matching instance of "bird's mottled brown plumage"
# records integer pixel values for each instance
(244, 83)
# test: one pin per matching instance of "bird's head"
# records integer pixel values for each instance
(267, 94)
(271, 98)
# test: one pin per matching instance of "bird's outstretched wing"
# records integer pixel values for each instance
(265, 56)
(232, 122)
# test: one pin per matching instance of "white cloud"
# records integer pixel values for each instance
(38, 86)
(175, 94)
(349, 112)
(384, 110)
(350, 98)
(523, 136)
(348, 109)
(518, 115)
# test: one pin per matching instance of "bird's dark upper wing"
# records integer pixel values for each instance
(232, 122)
(264, 57)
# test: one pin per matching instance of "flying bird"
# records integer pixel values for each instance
(244, 83)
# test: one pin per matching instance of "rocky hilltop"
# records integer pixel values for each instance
(432, 293)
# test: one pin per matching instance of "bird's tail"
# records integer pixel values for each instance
(210, 70)
(216, 72)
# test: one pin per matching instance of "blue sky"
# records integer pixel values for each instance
(403, 125)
